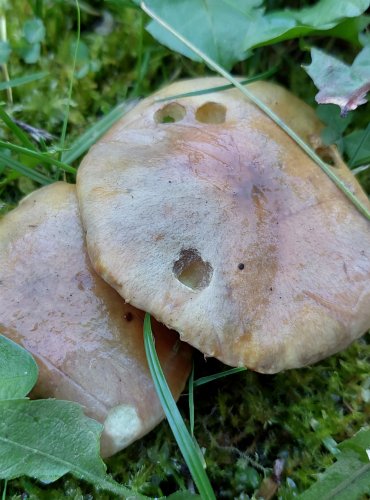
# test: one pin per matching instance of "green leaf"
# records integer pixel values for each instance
(18, 370)
(5, 51)
(207, 24)
(189, 447)
(357, 147)
(31, 53)
(46, 439)
(34, 31)
(335, 125)
(350, 29)
(287, 24)
(349, 477)
(360, 443)
(329, 12)
(338, 83)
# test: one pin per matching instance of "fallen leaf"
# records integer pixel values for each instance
(339, 83)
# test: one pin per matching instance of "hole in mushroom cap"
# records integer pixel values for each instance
(330, 155)
(191, 270)
(172, 112)
(211, 112)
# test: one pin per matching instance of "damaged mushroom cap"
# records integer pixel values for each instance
(203, 212)
(87, 341)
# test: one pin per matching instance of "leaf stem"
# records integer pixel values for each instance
(261, 105)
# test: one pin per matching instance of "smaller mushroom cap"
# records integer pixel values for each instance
(203, 212)
(87, 341)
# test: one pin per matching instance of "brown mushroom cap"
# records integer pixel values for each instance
(205, 213)
(87, 341)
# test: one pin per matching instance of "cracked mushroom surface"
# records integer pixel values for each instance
(203, 212)
(87, 341)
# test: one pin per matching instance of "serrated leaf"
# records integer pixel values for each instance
(288, 23)
(349, 477)
(339, 83)
(34, 30)
(207, 24)
(46, 439)
(331, 12)
(18, 370)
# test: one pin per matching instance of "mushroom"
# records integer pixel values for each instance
(203, 212)
(87, 341)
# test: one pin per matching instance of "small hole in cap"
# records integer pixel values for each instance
(211, 112)
(172, 112)
(191, 270)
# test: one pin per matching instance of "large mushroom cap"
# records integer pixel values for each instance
(87, 341)
(205, 213)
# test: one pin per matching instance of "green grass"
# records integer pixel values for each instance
(242, 422)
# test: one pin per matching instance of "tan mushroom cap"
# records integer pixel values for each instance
(205, 213)
(87, 341)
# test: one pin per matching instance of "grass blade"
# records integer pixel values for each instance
(220, 88)
(191, 401)
(17, 131)
(188, 449)
(43, 157)
(216, 376)
(22, 80)
(36, 176)
(88, 138)
(263, 107)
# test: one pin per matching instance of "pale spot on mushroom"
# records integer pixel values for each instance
(191, 270)
(211, 112)
(172, 112)
(122, 425)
